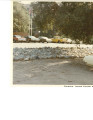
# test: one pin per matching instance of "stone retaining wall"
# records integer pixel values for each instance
(48, 52)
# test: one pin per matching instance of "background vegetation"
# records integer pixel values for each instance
(69, 19)
(20, 18)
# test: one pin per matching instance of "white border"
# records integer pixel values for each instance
(36, 103)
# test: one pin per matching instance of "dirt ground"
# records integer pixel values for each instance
(52, 72)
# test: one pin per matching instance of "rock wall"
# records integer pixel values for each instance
(48, 52)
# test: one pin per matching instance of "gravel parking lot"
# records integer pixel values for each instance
(52, 72)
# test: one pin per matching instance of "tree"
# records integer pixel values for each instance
(76, 20)
(20, 18)
(44, 15)
(73, 19)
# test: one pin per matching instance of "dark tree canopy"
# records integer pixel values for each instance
(74, 19)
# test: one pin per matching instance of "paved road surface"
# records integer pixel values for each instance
(52, 72)
(38, 45)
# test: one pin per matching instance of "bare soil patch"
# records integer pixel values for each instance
(52, 72)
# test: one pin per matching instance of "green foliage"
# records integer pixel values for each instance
(76, 20)
(44, 15)
(73, 19)
(20, 18)
(68, 19)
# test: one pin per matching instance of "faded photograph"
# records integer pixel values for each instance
(52, 43)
